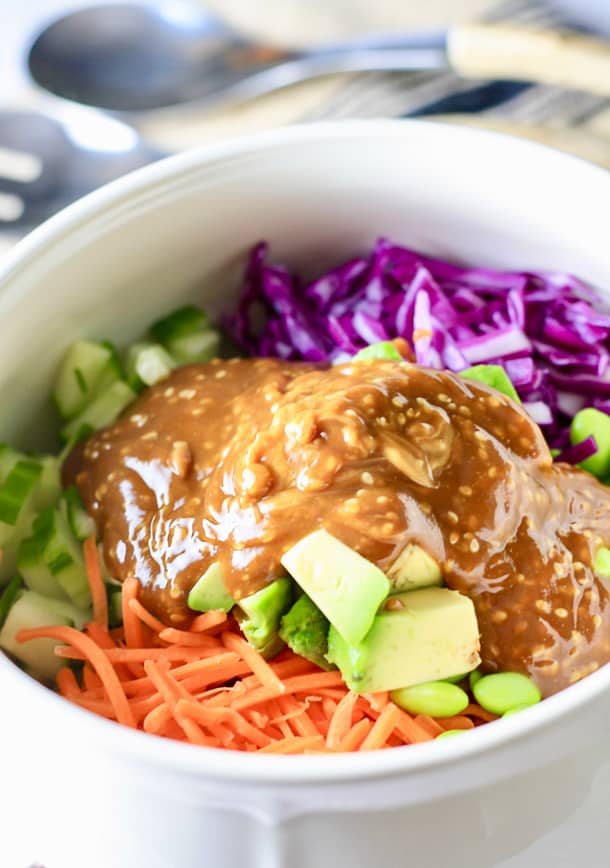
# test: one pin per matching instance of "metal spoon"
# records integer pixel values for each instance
(53, 154)
(130, 57)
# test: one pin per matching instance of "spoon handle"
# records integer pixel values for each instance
(562, 58)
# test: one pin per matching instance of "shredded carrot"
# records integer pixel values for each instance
(255, 661)
(208, 620)
(131, 624)
(382, 728)
(96, 657)
(458, 721)
(206, 685)
(294, 744)
(67, 683)
(474, 710)
(355, 736)
(145, 616)
(341, 720)
(96, 582)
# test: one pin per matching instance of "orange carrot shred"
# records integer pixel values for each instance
(131, 623)
(355, 736)
(98, 660)
(145, 616)
(382, 728)
(96, 582)
(255, 661)
(208, 620)
(341, 720)
(458, 721)
(293, 744)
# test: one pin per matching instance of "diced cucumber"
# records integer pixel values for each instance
(52, 554)
(86, 367)
(210, 592)
(183, 321)
(186, 335)
(147, 363)
(33, 610)
(9, 596)
(48, 489)
(15, 492)
(198, 347)
(8, 458)
(102, 411)
(42, 493)
(81, 523)
(36, 574)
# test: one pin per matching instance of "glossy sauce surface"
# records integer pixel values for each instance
(235, 461)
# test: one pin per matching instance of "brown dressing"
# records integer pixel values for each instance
(235, 461)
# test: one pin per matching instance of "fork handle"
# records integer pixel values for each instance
(567, 59)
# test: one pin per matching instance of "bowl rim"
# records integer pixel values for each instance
(226, 765)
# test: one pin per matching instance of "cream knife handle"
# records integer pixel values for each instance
(563, 58)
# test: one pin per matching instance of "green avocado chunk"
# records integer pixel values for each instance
(210, 593)
(346, 587)
(259, 616)
(430, 635)
(412, 569)
(494, 376)
(305, 630)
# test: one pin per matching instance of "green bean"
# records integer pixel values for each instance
(450, 732)
(436, 698)
(503, 691)
(593, 423)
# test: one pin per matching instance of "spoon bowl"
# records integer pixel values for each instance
(131, 57)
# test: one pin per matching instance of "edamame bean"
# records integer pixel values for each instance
(602, 561)
(449, 732)
(502, 691)
(455, 679)
(383, 350)
(516, 709)
(593, 423)
(436, 698)
(474, 676)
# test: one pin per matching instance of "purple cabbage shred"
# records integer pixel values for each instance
(547, 329)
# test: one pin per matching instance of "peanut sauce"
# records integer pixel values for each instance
(235, 461)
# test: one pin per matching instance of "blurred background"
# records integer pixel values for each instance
(89, 90)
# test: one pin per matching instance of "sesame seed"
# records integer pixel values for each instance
(474, 546)
(453, 517)
(465, 490)
(561, 612)
(367, 478)
(453, 538)
(543, 606)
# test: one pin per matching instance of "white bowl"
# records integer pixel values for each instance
(80, 791)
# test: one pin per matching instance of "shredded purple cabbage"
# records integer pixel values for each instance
(545, 328)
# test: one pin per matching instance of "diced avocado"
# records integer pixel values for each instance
(346, 587)
(210, 592)
(434, 636)
(259, 616)
(305, 630)
(412, 569)
(494, 376)
(33, 610)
